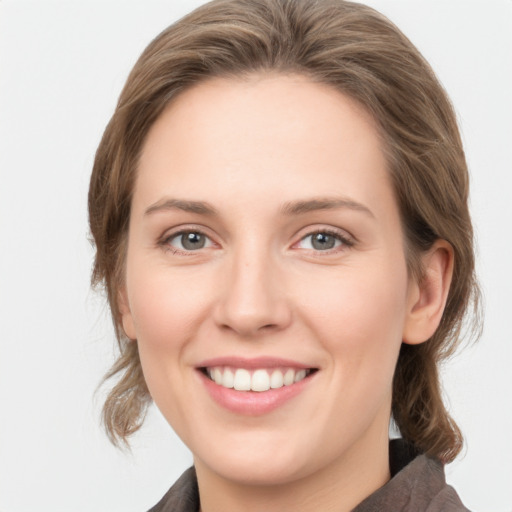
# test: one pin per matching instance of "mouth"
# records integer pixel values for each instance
(255, 386)
(257, 379)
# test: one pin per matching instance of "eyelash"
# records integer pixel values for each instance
(346, 242)
(165, 242)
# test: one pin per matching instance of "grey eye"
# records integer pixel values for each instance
(189, 241)
(322, 241)
(192, 241)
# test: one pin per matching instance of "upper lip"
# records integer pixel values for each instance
(253, 363)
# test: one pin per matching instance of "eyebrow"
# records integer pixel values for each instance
(327, 203)
(290, 208)
(199, 207)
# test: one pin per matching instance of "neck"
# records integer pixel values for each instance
(339, 487)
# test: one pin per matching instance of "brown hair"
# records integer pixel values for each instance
(360, 53)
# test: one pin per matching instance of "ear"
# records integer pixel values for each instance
(427, 298)
(126, 314)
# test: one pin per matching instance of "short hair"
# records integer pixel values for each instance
(357, 51)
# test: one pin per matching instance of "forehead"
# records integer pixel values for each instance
(271, 135)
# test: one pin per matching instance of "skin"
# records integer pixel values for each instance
(250, 148)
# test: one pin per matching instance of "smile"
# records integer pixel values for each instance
(255, 386)
(259, 380)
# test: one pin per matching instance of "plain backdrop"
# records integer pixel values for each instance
(62, 66)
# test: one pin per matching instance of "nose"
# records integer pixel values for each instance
(253, 299)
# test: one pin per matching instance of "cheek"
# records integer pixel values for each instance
(359, 322)
(358, 315)
(166, 306)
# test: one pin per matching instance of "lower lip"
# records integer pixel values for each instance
(253, 403)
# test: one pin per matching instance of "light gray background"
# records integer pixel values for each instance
(62, 66)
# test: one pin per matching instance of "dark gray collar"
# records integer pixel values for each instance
(417, 485)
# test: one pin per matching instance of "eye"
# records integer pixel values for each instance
(186, 241)
(323, 241)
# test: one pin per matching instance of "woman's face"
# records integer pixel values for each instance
(265, 252)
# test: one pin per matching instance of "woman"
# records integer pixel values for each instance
(279, 206)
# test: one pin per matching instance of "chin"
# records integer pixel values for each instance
(263, 458)
(274, 471)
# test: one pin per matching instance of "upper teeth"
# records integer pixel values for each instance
(259, 380)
